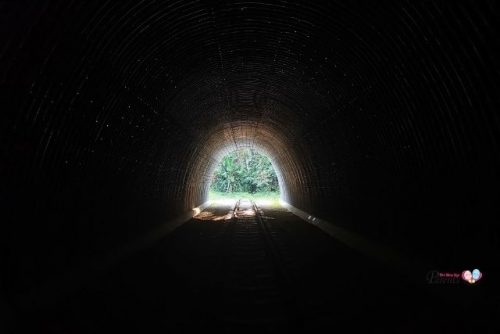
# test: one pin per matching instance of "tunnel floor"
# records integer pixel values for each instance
(240, 268)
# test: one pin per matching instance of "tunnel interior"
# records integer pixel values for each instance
(380, 118)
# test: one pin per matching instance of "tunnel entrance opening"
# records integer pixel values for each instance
(245, 174)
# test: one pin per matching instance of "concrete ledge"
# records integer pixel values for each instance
(352, 239)
(171, 225)
(156, 234)
(51, 291)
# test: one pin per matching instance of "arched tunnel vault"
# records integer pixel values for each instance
(380, 118)
(289, 163)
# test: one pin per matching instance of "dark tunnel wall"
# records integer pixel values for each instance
(381, 117)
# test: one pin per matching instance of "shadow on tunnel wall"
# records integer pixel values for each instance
(383, 119)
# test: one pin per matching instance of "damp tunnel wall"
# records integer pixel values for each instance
(382, 119)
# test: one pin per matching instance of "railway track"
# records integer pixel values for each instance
(256, 285)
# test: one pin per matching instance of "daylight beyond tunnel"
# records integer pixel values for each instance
(262, 137)
(380, 118)
(244, 171)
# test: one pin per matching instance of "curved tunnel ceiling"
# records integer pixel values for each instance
(375, 114)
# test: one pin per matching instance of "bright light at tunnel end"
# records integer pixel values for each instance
(262, 197)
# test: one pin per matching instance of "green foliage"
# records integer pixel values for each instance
(245, 171)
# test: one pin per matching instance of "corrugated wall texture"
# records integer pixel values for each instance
(381, 117)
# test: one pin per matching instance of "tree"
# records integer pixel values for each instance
(245, 171)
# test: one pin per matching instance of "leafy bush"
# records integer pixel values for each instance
(245, 171)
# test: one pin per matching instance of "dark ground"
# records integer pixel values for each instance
(218, 275)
